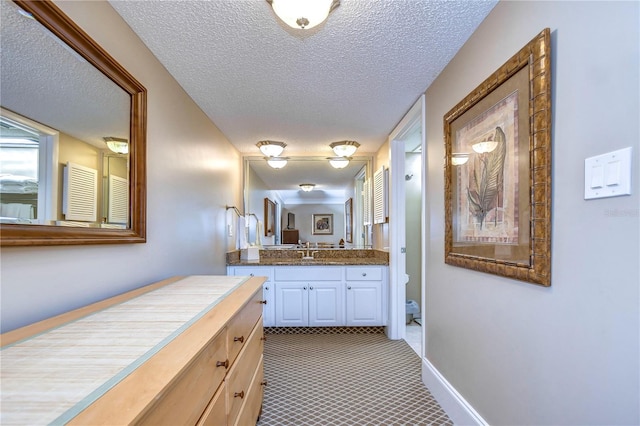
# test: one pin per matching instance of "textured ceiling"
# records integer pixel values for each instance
(353, 77)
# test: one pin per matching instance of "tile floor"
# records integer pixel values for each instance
(345, 380)
(413, 337)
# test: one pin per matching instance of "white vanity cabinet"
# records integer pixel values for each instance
(321, 296)
(268, 291)
(365, 298)
(309, 296)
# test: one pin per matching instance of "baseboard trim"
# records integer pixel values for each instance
(456, 407)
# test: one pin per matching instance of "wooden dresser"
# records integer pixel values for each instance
(184, 351)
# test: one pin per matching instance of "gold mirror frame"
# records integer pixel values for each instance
(533, 177)
(49, 15)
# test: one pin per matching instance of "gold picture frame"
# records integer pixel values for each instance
(498, 170)
(269, 217)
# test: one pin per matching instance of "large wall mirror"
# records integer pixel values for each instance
(72, 135)
(294, 207)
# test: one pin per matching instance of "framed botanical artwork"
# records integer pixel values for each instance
(348, 220)
(498, 170)
(322, 224)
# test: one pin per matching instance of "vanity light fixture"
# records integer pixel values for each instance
(271, 148)
(277, 162)
(345, 148)
(117, 145)
(307, 187)
(303, 14)
(459, 158)
(339, 162)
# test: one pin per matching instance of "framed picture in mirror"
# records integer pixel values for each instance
(269, 217)
(348, 220)
(322, 224)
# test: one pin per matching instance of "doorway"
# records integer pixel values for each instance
(406, 225)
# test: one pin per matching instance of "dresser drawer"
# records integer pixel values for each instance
(241, 325)
(238, 381)
(366, 273)
(190, 392)
(216, 412)
(308, 273)
(253, 402)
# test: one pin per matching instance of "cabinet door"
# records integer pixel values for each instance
(292, 304)
(364, 303)
(326, 304)
(269, 309)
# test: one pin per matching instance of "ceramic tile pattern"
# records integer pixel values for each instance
(345, 379)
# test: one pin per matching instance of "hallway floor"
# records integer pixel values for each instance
(345, 379)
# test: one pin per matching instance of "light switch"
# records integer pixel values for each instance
(608, 175)
(613, 173)
(597, 176)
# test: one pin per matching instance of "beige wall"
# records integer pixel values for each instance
(192, 173)
(568, 354)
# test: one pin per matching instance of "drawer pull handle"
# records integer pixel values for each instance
(310, 287)
(239, 339)
(364, 274)
(224, 364)
(240, 394)
(263, 338)
(304, 288)
(266, 288)
(263, 383)
(263, 302)
(251, 275)
(348, 287)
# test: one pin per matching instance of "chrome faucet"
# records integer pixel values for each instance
(309, 254)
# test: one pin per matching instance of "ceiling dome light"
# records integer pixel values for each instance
(339, 162)
(307, 187)
(303, 14)
(271, 148)
(117, 145)
(277, 162)
(459, 158)
(345, 148)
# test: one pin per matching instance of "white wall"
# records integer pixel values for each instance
(192, 173)
(568, 354)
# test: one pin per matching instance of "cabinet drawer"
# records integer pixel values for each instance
(241, 325)
(216, 412)
(238, 380)
(187, 397)
(253, 403)
(364, 274)
(253, 271)
(309, 273)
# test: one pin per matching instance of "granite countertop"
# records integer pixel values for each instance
(322, 257)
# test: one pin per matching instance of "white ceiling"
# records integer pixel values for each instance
(353, 77)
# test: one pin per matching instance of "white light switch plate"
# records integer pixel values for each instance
(608, 175)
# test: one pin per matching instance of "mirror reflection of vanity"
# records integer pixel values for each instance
(331, 194)
(62, 97)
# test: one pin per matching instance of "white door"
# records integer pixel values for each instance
(292, 304)
(326, 304)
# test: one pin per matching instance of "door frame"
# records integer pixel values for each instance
(398, 277)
